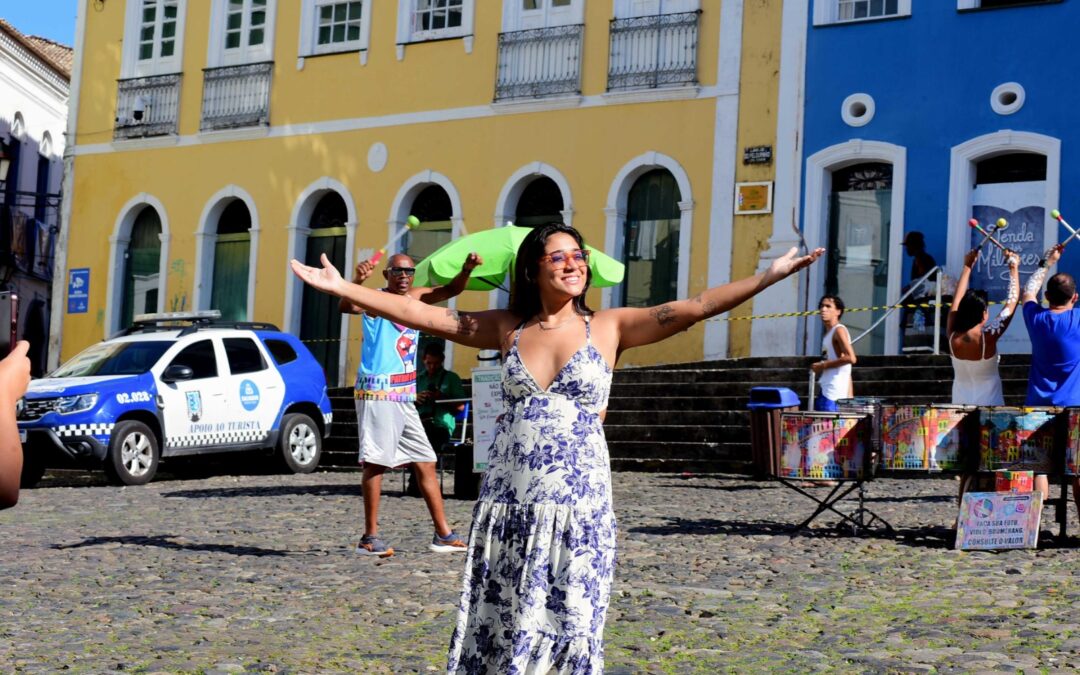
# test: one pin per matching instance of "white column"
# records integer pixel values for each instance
(772, 337)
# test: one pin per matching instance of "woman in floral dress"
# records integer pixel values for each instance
(542, 546)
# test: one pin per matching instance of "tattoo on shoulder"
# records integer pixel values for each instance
(663, 314)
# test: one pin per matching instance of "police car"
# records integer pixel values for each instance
(177, 384)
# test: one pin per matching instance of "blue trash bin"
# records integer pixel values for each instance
(766, 404)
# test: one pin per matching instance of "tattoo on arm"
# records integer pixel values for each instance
(663, 314)
(466, 325)
(707, 306)
(1035, 282)
(997, 326)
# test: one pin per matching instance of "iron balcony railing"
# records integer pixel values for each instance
(539, 62)
(653, 51)
(147, 106)
(236, 96)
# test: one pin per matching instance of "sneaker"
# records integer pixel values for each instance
(370, 545)
(451, 543)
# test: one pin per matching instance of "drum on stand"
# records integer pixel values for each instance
(1020, 439)
(953, 434)
(824, 446)
(867, 405)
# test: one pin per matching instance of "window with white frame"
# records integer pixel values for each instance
(626, 9)
(153, 37)
(992, 4)
(241, 31)
(421, 20)
(329, 26)
(843, 11)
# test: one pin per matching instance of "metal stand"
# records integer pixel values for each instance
(861, 518)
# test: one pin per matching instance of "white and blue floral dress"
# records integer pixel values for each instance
(541, 550)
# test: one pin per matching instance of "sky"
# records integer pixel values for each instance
(53, 19)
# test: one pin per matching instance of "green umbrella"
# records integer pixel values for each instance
(498, 247)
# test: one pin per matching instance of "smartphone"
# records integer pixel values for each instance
(9, 320)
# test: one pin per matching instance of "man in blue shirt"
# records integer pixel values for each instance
(389, 428)
(1054, 379)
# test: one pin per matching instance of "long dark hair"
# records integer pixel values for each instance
(524, 291)
(971, 311)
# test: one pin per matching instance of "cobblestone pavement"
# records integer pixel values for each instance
(254, 573)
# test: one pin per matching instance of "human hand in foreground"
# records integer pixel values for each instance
(326, 279)
(472, 261)
(970, 257)
(789, 263)
(14, 374)
(1012, 259)
(363, 270)
(1053, 254)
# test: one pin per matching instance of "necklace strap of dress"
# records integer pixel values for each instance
(588, 333)
(517, 331)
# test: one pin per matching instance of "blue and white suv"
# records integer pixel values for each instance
(172, 385)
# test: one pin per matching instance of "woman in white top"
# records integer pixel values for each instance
(973, 340)
(834, 370)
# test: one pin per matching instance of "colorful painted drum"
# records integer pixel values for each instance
(1072, 442)
(824, 446)
(867, 405)
(952, 432)
(1017, 439)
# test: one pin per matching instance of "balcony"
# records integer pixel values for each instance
(649, 52)
(236, 96)
(147, 106)
(539, 62)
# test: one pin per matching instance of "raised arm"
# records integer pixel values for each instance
(1035, 281)
(482, 330)
(456, 285)
(997, 326)
(961, 288)
(642, 326)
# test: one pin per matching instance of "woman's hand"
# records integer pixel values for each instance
(789, 263)
(970, 257)
(326, 279)
(1012, 259)
(14, 374)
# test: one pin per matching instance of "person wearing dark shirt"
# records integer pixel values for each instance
(433, 384)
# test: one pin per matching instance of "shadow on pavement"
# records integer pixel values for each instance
(927, 537)
(164, 541)
(274, 491)
(723, 488)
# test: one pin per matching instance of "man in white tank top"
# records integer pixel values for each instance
(834, 371)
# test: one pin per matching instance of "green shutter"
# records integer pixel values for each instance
(231, 264)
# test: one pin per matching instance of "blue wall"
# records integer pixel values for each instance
(931, 75)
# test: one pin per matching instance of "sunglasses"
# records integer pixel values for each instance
(401, 271)
(557, 258)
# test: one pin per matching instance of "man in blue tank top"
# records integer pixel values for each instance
(389, 427)
(1054, 378)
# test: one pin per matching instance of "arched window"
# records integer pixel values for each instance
(541, 203)
(232, 252)
(432, 207)
(651, 240)
(142, 266)
(320, 318)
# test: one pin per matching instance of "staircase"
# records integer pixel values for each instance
(692, 416)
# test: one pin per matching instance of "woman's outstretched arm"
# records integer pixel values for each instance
(961, 288)
(474, 329)
(642, 326)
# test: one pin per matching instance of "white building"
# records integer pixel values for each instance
(35, 74)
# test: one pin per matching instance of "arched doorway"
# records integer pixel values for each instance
(651, 240)
(541, 202)
(142, 266)
(433, 209)
(232, 251)
(857, 263)
(1011, 186)
(320, 318)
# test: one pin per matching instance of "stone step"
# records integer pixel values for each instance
(616, 417)
(666, 433)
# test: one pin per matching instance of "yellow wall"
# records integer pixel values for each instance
(758, 92)
(589, 145)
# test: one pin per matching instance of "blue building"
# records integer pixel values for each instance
(919, 115)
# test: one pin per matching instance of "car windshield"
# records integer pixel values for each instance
(114, 358)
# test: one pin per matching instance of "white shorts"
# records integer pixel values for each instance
(391, 434)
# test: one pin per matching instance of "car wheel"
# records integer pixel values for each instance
(300, 444)
(32, 470)
(133, 454)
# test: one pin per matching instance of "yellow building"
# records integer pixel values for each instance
(213, 140)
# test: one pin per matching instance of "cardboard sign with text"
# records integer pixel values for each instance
(999, 520)
(486, 408)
